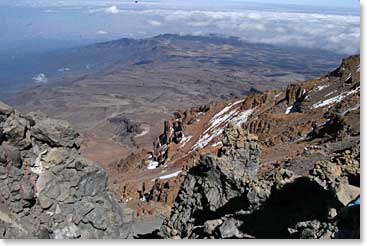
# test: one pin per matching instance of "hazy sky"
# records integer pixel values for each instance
(330, 3)
(39, 25)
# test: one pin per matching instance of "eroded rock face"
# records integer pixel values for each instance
(47, 189)
(172, 132)
(227, 197)
(214, 186)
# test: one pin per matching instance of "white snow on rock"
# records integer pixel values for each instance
(289, 109)
(357, 106)
(349, 77)
(222, 116)
(217, 144)
(38, 166)
(185, 140)
(335, 99)
(152, 164)
(171, 175)
(206, 139)
(321, 87)
(219, 121)
(330, 93)
(242, 117)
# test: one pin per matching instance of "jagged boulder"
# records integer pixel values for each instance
(48, 189)
(56, 133)
(227, 197)
(214, 186)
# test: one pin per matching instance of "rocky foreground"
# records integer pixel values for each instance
(279, 164)
(224, 197)
(47, 189)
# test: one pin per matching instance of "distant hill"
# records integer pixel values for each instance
(17, 72)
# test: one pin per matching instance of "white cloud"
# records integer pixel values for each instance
(108, 10)
(102, 32)
(338, 33)
(279, 26)
(40, 78)
(154, 23)
(112, 10)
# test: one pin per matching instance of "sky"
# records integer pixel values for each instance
(334, 3)
(329, 3)
(41, 25)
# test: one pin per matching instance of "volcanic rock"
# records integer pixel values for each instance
(48, 189)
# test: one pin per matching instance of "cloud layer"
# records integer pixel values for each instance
(108, 10)
(331, 32)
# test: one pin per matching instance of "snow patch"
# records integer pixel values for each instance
(215, 122)
(242, 117)
(335, 99)
(219, 121)
(288, 110)
(38, 166)
(330, 93)
(357, 106)
(321, 87)
(206, 139)
(171, 175)
(221, 117)
(217, 144)
(185, 140)
(152, 164)
(348, 78)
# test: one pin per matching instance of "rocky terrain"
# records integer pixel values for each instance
(309, 192)
(295, 151)
(48, 190)
(145, 81)
(282, 163)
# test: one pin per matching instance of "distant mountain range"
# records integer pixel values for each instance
(18, 71)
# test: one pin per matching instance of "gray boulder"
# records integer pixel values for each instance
(48, 189)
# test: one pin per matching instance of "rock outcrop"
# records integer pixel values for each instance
(227, 197)
(48, 190)
(125, 129)
(305, 181)
(172, 133)
(214, 186)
